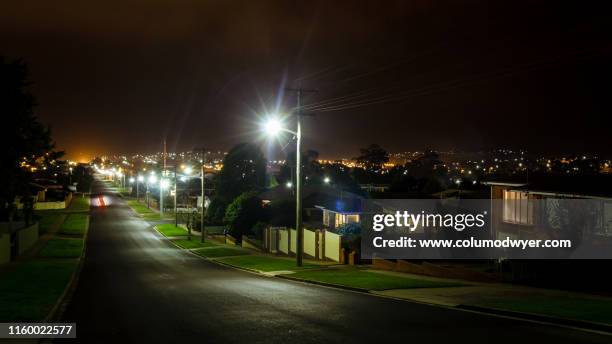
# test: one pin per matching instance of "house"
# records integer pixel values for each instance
(530, 208)
(339, 210)
(324, 206)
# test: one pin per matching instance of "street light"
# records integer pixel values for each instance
(272, 127)
(326, 180)
(152, 180)
(289, 185)
(140, 179)
(163, 184)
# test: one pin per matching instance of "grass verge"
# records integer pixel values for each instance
(193, 243)
(266, 264)
(171, 230)
(367, 280)
(62, 248)
(75, 224)
(569, 307)
(47, 220)
(139, 207)
(220, 251)
(30, 291)
(79, 204)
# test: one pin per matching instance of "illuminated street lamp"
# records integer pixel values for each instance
(140, 179)
(163, 184)
(152, 180)
(273, 126)
(326, 180)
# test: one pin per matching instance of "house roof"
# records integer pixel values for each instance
(599, 185)
(321, 196)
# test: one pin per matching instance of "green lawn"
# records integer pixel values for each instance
(62, 248)
(220, 251)
(75, 224)
(153, 216)
(193, 243)
(47, 220)
(171, 230)
(139, 207)
(148, 214)
(28, 292)
(263, 263)
(570, 307)
(363, 279)
(79, 204)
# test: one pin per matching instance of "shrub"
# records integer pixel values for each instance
(243, 213)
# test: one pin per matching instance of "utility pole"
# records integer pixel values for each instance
(164, 155)
(202, 227)
(175, 193)
(161, 197)
(203, 195)
(299, 230)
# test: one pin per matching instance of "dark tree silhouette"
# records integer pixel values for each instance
(24, 138)
(373, 157)
(244, 169)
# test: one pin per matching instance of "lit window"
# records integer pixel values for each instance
(352, 218)
(340, 220)
(326, 218)
(518, 208)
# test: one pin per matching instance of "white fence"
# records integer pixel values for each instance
(283, 241)
(320, 245)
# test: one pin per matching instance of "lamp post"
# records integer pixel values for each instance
(202, 227)
(273, 127)
(163, 183)
(139, 180)
(175, 193)
(132, 180)
(152, 180)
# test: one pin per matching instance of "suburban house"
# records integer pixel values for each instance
(324, 207)
(530, 208)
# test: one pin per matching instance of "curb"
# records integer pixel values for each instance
(543, 319)
(325, 284)
(579, 324)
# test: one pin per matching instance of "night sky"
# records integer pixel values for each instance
(116, 77)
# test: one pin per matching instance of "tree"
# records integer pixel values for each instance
(311, 169)
(373, 157)
(243, 213)
(24, 138)
(425, 165)
(244, 169)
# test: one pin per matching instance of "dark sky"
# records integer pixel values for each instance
(466, 75)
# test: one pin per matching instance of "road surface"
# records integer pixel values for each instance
(136, 286)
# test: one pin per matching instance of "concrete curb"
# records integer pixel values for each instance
(325, 284)
(542, 319)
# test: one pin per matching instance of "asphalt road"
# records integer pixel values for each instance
(136, 286)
